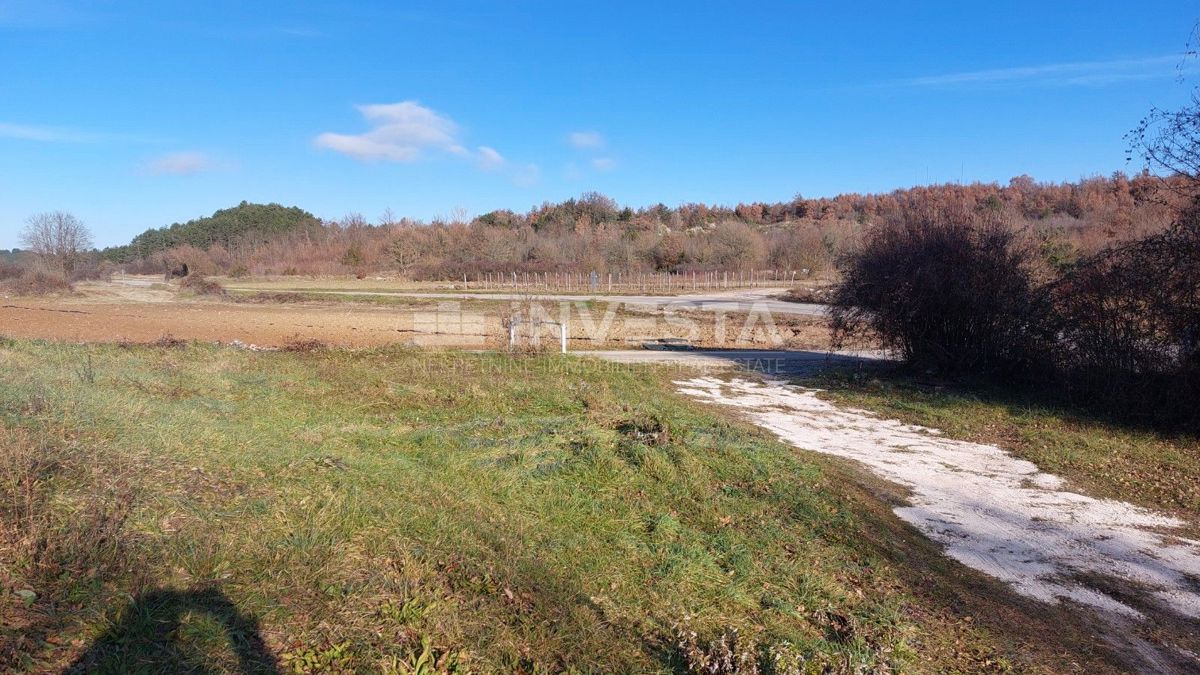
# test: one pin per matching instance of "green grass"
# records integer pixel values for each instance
(396, 511)
(1148, 468)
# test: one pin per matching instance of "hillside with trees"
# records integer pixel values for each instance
(593, 232)
(244, 225)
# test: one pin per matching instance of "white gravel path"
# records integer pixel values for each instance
(990, 510)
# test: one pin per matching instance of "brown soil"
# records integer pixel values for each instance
(102, 312)
(262, 325)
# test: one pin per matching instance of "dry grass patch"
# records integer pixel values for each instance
(34, 283)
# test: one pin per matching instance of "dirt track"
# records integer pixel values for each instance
(1001, 515)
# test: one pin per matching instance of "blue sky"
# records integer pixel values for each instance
(138, 114)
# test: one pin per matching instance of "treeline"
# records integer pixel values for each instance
(593, 232)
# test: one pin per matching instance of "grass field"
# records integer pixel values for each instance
(210, 509)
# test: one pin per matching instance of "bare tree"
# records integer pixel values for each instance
(1169, 140)
(58, 238)
(406, 248)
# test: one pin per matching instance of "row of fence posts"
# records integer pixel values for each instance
(645, 282)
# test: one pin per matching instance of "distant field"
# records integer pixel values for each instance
(144, 310)
(334, 283)
(382, 283)
(400, 511)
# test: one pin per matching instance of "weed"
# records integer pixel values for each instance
(300, 344)
(169, 341)
(408, 612)
(729, 654)
(428, 660)
(649, 429)
(334, 658)
(85, 370)
(330, 463)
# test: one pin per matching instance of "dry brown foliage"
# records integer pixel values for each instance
(198, 284)
(593, 233)
(35, 282)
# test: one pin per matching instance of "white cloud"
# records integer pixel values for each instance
(408, 132)
(585, 139)
(604, 164)
(1080, 73)
(47, 134)
(401, 132)
(181, 164)
(488, 159)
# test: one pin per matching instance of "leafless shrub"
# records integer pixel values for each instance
(1129, 321)
(10, 270)
(36, 282)
(952, 292)
(1117, 331)
(92, 268)
(152, 264)
(805, 246)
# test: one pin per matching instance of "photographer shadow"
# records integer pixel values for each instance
(146, 639)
